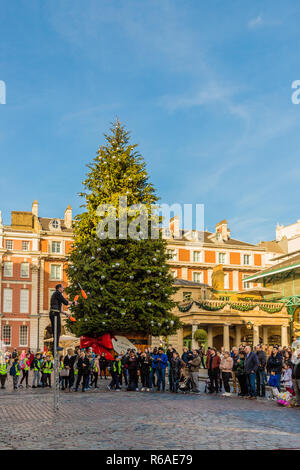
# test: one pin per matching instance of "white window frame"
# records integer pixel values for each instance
(6, 309)
(200, 256)
(174, 273)
(10, 272)
(61, 274)
(249, 256)
(246, 285)
(196, 274)
(173, 253)
(20, 335)
(24, 303)
(4, 327)
(226, 283)
(56, 242)
(25, 245)
(225, 257)
(27, 273)
(9, 245)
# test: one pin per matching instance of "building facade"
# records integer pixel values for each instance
(193, 256)
(33, 260)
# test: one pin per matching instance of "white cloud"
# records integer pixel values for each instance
(255, 22)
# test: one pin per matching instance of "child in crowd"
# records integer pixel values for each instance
(15, 371)
(116, 371)
(286, 378)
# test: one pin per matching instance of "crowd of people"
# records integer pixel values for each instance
(241, 371)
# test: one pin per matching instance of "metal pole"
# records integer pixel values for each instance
(56, 373)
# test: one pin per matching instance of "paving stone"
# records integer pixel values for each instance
(135, 420)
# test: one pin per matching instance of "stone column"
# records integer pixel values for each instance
(284, 336)
(265, 335)
(194, 342)
(238, 335)
(210, 336)
(255, 335)
(226, 339)
(180, 341)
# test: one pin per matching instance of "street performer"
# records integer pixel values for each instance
(57, 299)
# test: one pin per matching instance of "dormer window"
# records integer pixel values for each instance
(55, 224)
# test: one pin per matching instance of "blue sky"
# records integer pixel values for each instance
(204, 87)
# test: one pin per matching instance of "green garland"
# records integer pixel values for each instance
(233, 305)
(211, 308)
(185, 308)
(265, 308)
(242, 308)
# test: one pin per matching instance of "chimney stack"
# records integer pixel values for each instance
(222, 230)
(68, 217)
(174, 226)
(35, 208)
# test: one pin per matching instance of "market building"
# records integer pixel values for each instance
(228, 323)
(283, 278)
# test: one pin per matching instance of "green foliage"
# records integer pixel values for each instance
(127, 281)
(200, 335)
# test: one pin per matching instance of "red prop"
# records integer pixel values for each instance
(101, 344)
(82, 292)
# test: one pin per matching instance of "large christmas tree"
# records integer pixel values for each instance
(126, 278)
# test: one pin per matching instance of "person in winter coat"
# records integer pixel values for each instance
(132, 365)
(251, 367)
(241, 375)
(153, 368)
(286, 379)
(103, 365)
(226, 365)
(145, 368)
(187, 355)
(194, 366)
(15, 371)
(274, 367)
(176, 365)
(3, 371)
(169, 353)
(95, 370)
(83, 366)
(161, 362)
(116, 372)
(296, 375)
(213, 367)
(235, 356)
(69, 362)
(261, 372)
(124, 374)
(37, 368)
(25, 370)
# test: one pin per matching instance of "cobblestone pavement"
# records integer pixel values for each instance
(139, 420)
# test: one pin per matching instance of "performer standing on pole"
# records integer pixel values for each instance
(57, 299)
